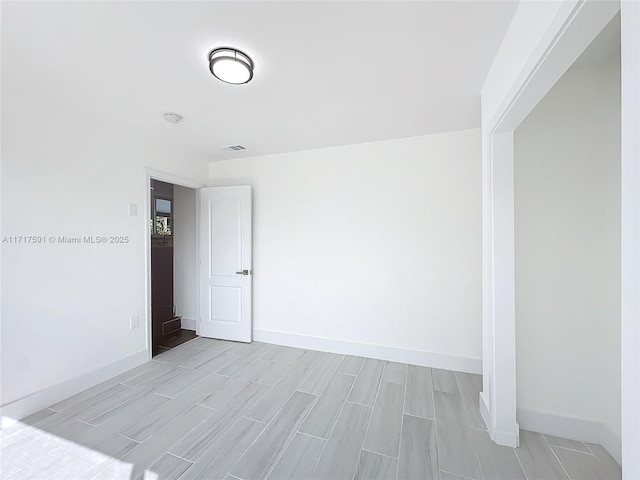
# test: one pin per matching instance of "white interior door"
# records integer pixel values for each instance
(225, 263)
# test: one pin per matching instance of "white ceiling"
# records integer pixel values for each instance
(327, 73)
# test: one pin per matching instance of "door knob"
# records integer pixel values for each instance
(243, 272)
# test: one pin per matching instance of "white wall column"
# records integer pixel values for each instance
(630, 327)
(499, 361)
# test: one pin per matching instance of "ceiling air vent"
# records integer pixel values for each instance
(234, 148)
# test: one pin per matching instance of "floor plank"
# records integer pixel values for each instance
(223, 454)
(351, 365)
(470, 386)
(21, 436)
(321, 374)
(254, 370)
(98, 459)
(93, 436)
(169, 467)
(193, 445)
(536, 457)
(451, 476)
(566, 443)
(6, 432)
(444, 381)
(220, 355)
(225, 392)
(311, 359)
(376, 467)
(145, 454)
(456, 450)
(383, 434)
(189, 377)
(178, 355)
(158, 418)
(324, 414)
(299, 459)
(418, 450)
(250, 355)
(265, 451)
(609, 465)
(339, 460)
(101, 387)
(14, 460)
(275, 372)
(149, 376)
(95, 402)
(419, 393)
(290, 355)
(496, 462)
(366, 387)
(582, 466)
(267, 407)
(394, 372)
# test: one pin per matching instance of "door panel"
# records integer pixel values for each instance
(225, 256)
(226, 250)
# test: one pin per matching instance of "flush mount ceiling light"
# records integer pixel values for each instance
(231, 65)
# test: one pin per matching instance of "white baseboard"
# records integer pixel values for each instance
(44, 398)
(381, 352)
(507, 439)
(574, 428)
(504, 438)
(188, 323)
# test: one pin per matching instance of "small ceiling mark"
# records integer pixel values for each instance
(172, 117)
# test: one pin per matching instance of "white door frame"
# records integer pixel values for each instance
(574, 26)
(176, 180)
(630, 236)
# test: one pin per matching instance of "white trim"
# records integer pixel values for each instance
(188, 323)
(573, 428)
(630, 252)
(573, 26)
(380, 352)
(49, 396)
(508, 439)
(170, 178)
(504, 428)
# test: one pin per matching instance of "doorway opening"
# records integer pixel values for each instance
(567, 252)
(173, 265)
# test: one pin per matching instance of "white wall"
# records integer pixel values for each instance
(567, 200)
(374, 243)
(185, 287)
(67, 170)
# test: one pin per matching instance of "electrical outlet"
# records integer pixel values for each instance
(134, 322)
(133, 210)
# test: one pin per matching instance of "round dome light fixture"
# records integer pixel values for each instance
(231, 65)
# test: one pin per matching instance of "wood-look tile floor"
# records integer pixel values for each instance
(210, 409)
(175, 340)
